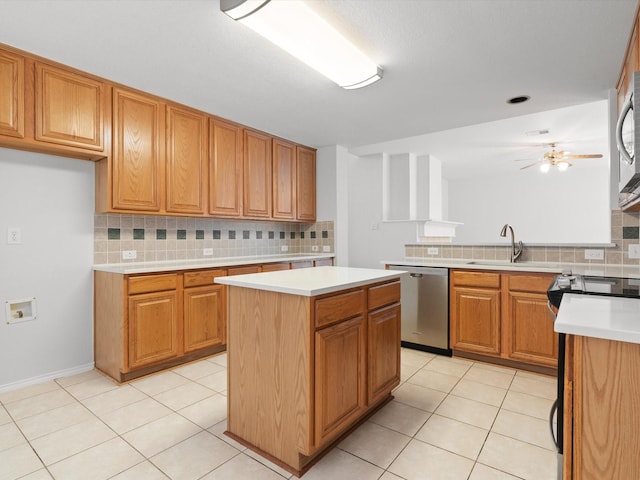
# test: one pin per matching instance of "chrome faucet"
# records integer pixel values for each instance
(515, 253)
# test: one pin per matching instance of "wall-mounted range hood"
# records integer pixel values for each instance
(413, 190)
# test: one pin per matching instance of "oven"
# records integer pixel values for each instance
(586, 285)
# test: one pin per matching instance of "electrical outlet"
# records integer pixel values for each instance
(284, 248)
(596, 254)
(374, 226)
(432, 251)
(326, 248)
(14, 236)
(314, 248)
(129, 254)
(207, 251)
(634, 251)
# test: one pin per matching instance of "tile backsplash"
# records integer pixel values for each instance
(625, 230)
(157, 238)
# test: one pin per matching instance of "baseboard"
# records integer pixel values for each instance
(67, 372)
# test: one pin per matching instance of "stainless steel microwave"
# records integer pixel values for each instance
(628, 143)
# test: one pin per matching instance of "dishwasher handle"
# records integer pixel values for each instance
(416, 275)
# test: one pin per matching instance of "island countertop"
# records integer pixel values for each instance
(610, 318)
(310, 282)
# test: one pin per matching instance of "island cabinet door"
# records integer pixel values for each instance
(153, 328)
(384, 353)
(340, 395)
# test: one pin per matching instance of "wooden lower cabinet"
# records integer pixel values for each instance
(383, 359)
(503, 315)
(153, 328)
(476, 320)
(146, 323)
(601, 412)
(204, 310)
(340, 386)
(304, 370)
(204, 314)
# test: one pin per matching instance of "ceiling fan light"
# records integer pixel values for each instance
(298, 30)
(563, 166)
(544, 168)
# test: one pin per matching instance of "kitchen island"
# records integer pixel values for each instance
(311, 353)
(601, 386)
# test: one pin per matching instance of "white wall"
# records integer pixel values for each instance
(332, 192)
(557, 207)
(52, 200)
(367, 245)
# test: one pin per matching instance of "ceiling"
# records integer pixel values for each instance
(447, 63)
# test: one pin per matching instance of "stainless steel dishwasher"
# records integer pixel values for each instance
(425, 308)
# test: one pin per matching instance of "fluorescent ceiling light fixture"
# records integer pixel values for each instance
(295, 28)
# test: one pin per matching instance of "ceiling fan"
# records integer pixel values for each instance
(558, 159)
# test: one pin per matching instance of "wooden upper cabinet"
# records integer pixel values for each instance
(138, 147)
(225, 168)
(12, 94)
(284, 180)
(257, 174)
(70, 108)
(186, 161)
(306, 184)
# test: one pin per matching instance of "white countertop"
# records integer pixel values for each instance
(594, 269)
(173, 265)
(310, 282)
(611, 318)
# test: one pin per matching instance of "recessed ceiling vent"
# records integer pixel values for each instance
(519, 99)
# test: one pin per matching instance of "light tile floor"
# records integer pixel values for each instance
(450, 419)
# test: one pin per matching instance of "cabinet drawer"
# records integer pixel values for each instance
(302, 264)
(205, 277)
(339, 307)
(243, 270)
(274, 267)
(530, 283)
(153, 283)
(475, 279)
(323, 262)
(382, 295)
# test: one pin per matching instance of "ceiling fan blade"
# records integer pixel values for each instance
(595, 155)
(530, 165)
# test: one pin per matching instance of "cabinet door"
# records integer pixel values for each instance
(204, 317)
(70, 108)
(153, 328)
(475, 320)
(340, 395)
(225, 169)
(384, 352)
(186, 161)
(12, 98)
(138, 141)
(529, 329)
(284, 180)
(257, 174)
(306, 184)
